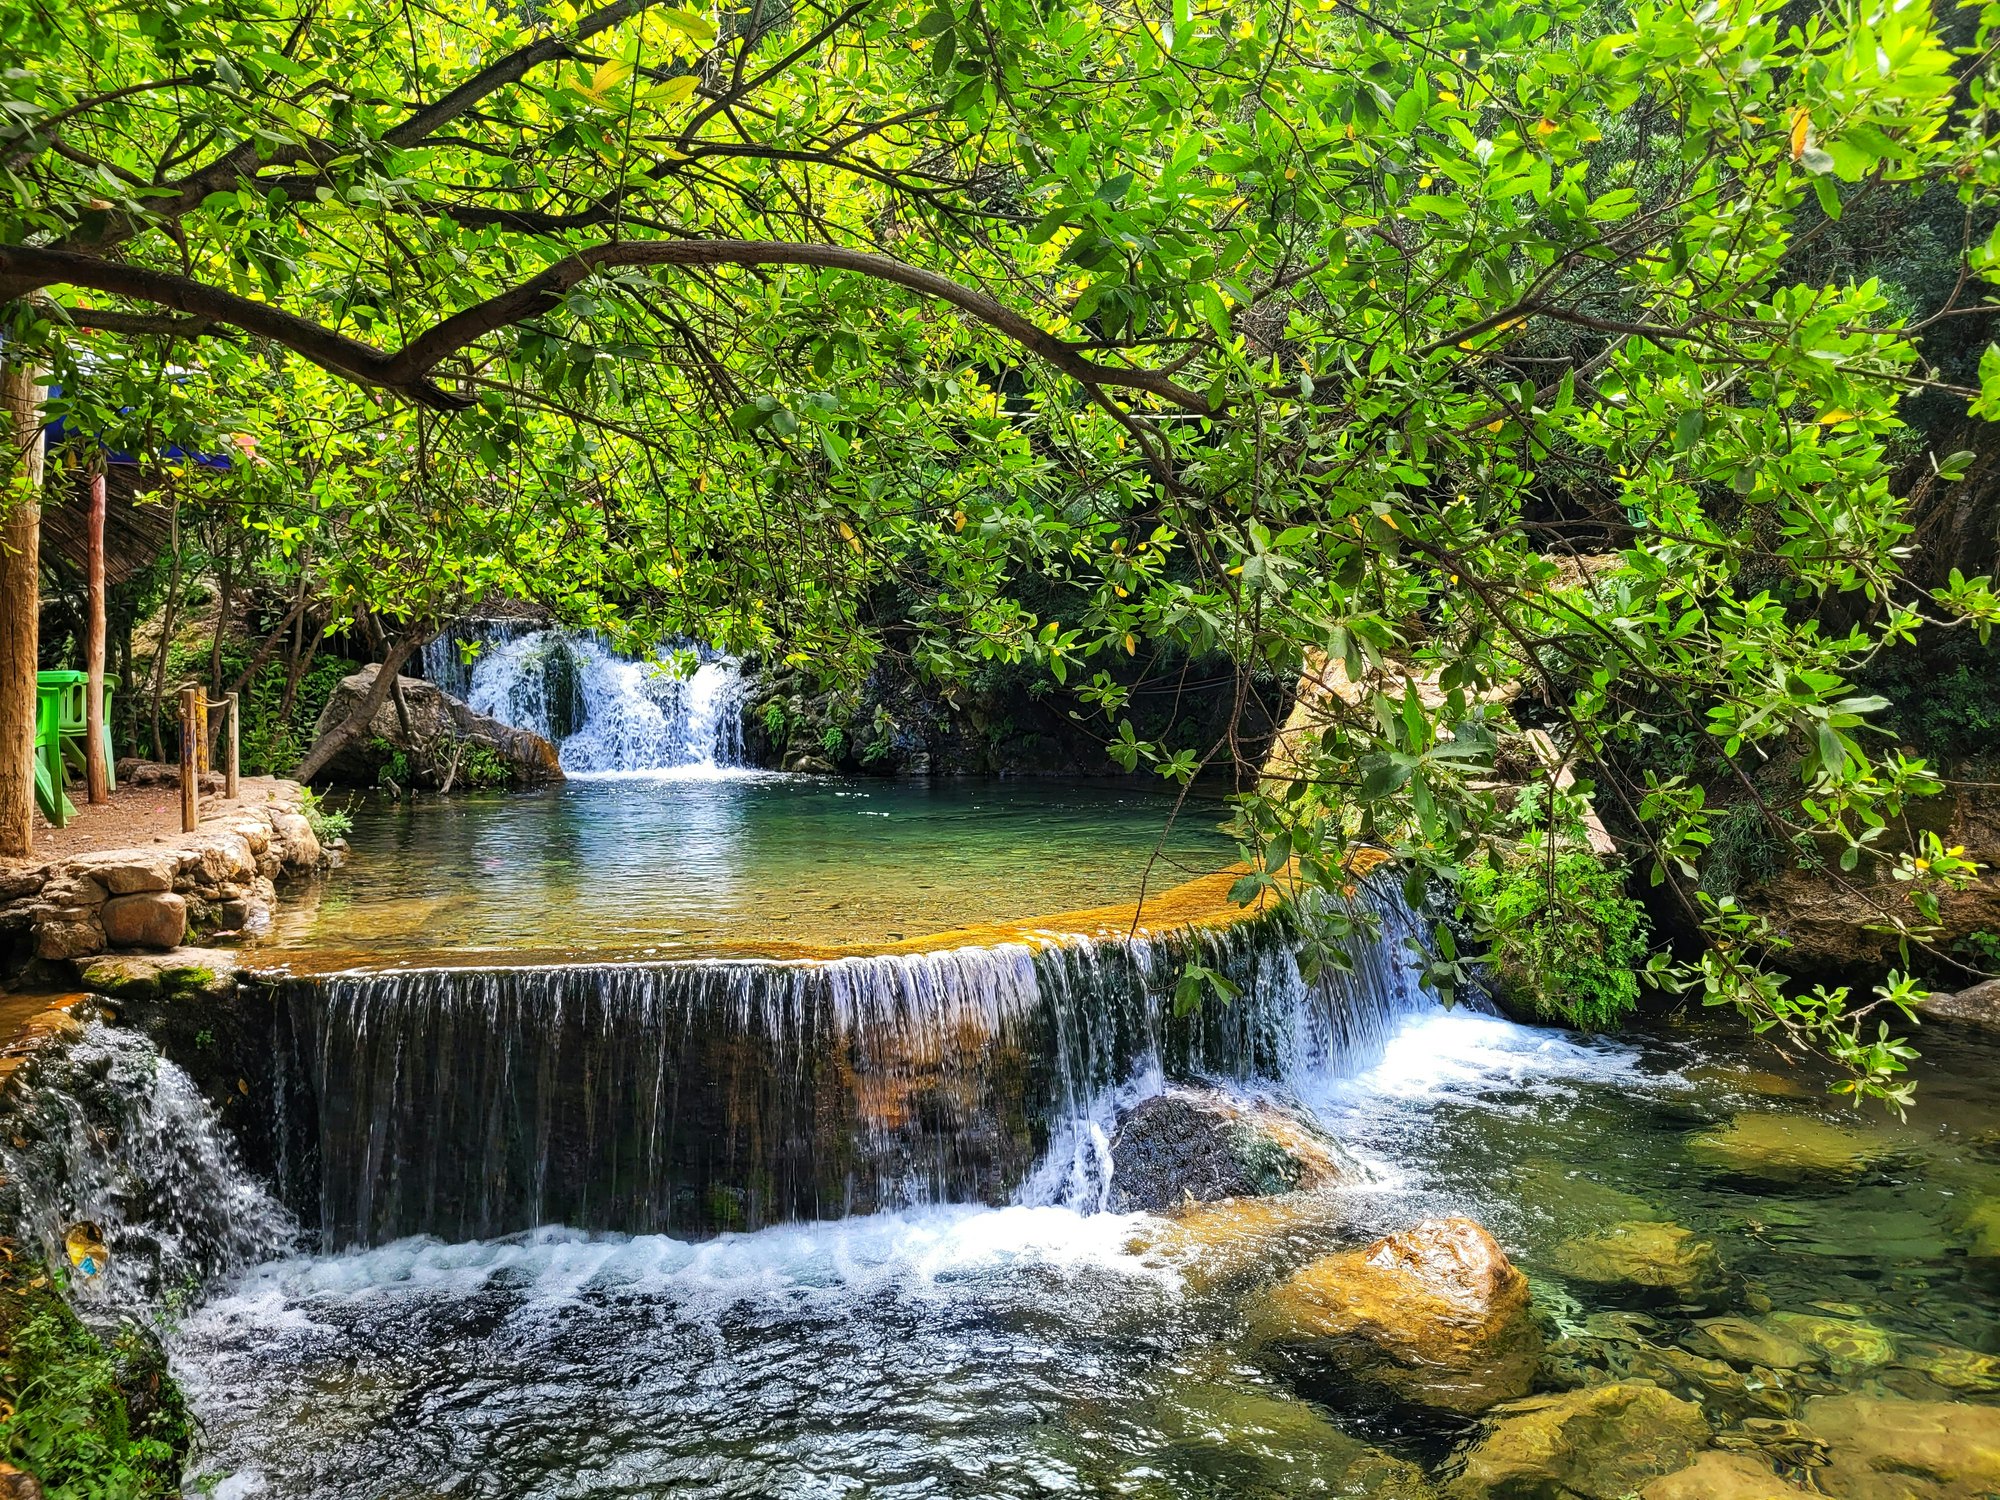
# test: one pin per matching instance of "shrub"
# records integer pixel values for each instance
(483, 769)
(1564, 942)
(91, 1421)
(327, 823)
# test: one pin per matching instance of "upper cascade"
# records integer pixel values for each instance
(605, 713)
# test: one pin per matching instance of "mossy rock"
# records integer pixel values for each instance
(1979, 1227)
(1788, 1149)
(1601, 1443)
(1647, 1258)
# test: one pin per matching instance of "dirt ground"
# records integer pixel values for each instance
(134, 818)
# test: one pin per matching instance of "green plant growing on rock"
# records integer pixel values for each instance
(1564, 940)
(327, 823)
(91, 1421)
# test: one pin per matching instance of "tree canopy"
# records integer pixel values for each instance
(1443, 351)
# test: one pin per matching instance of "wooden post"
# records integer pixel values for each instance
(191, 698)
(96, 774)
(231, 764)
(201, 730)
(20, 602)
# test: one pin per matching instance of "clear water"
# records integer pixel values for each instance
(713, 862)
(1037, 1350)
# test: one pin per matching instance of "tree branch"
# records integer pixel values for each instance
(408, 371)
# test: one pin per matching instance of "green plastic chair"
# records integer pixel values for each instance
(61, 724)
(49, 793)
(73, 689)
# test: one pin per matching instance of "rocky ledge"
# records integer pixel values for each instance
(221, 878)
(435, 734)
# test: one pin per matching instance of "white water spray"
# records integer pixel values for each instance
(606, 715)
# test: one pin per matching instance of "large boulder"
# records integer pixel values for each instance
(1647, 1259)
(1788, 1149)
(439, 725)
(146, 919)
(1203, 1145)
(1600, 1443)
(1886, 1449)
(1435, 1315)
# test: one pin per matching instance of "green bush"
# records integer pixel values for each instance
(484, 770)
(327, 823)
(1564, 942)
(91, 1422)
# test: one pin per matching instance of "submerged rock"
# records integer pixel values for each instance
(1888, 1449)
(1646, 1257)
(1601, 1443)
(1723, 1476)
(1788, 1149)
(1747, 1343)
(1980, 1228)
(1204, 1145)
(1844, 1345)
(1233, 1437)
(1436, 1315)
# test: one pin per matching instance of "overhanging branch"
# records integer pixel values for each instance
(409, 371)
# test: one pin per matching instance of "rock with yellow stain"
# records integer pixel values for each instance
(1435, 1315)
(1723, 1476)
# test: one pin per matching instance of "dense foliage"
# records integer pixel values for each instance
(1313, 333)
(92, 1422)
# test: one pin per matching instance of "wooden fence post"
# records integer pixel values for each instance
(230, 767)
(201, 731)
(191, 698)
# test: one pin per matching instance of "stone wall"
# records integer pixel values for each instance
(220, 878)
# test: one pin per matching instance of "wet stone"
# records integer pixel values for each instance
(1645, 1258)
(1204, 1145)
(1602, 1443)
(1787, 1150)
(1435, 1315)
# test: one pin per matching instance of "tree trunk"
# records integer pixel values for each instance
(331, 743)
(167, 622)
(96, 774)
(20, 606)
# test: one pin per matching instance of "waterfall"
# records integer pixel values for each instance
(697, 1096)
(108, 1131)
(605, 713)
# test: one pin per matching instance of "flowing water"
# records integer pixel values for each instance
(723, 1225)
(1036, 1349)
(606, 714)
(749, 862)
